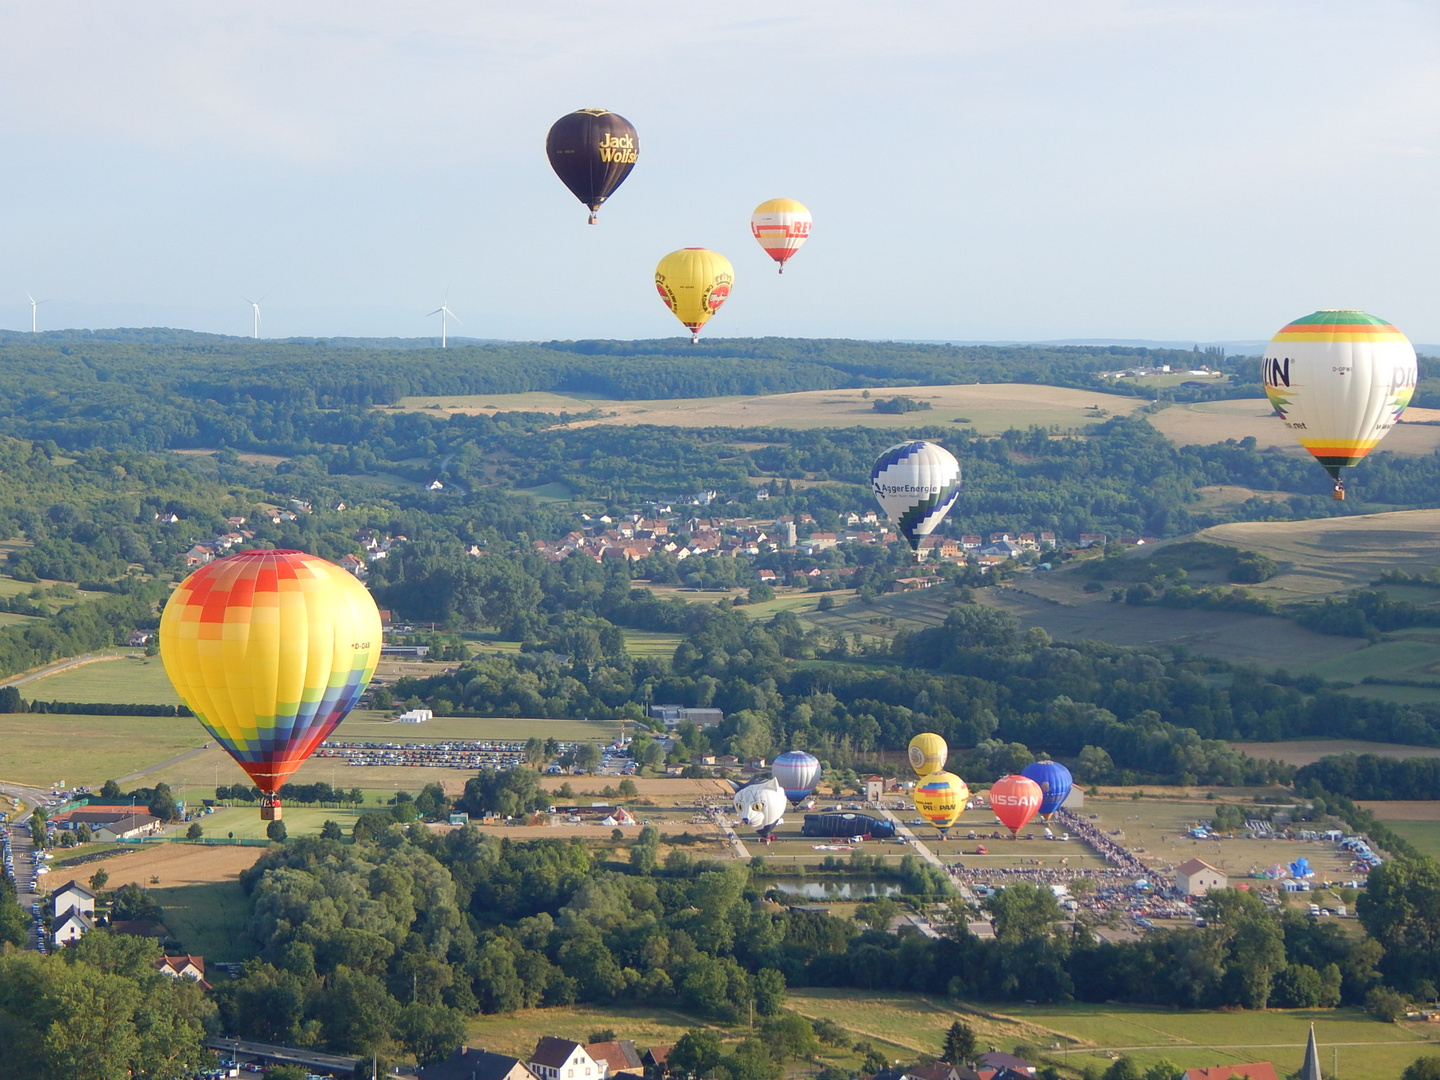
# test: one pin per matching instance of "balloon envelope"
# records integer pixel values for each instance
(916, 483)
(592, 151)
(694, 282)
(940, 799)
(1015, 799)
(1055, 783)
(1339, 380)
(781, 226)
(928, 753)
(798, 773)
(847, 825)
(270, 650)
(761, 806)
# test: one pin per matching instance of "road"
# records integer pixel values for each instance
(162, 765)
(23, 850)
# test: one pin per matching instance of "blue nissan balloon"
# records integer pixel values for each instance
(1055, 783)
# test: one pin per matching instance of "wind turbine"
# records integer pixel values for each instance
(444, 312)
(34, 311)
(255, 304)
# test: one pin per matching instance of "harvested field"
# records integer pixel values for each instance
(1335, 554)
(1404, 809)
(174, 864)
(1203, 422)
(991, 408)
(1307, 751)
(673, 790)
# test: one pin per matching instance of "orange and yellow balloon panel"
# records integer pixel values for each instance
(271, 650)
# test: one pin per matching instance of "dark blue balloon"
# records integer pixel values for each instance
(1055, 783)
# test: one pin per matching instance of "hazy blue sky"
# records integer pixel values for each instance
(1038, 169)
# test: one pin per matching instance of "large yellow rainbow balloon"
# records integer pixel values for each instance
(694, 282)
(271, 650)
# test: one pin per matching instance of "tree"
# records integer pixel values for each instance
(98, 879)
(695, 1053)
(110, 790)
(430, 1032)
(769, 991)
(1422, 1068)
(1022, 911)
(1400, 908)
(588, 756)
(791, 1035)
(331, 831)
(1387, 1005)
(627, 789)
(163, 804)
(1124, 1069)
(195, 832)
(607, 1035)
(276, 831)
(959, 1044)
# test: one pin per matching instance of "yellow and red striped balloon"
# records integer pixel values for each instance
(781, 226)
(1339, 380)
(271, 650)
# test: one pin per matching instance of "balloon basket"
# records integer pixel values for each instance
(270, 810)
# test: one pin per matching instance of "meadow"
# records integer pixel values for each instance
(1204, 422)
(1306, 751)
(990, 408)
(40, 748)
(133, 680)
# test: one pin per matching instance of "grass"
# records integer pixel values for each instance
(40, 748)
(647, 643)
(132, 681)
(917, 1024)
(1425, 835)
(1307, 751)
(245, 823)
(1402, 658)
(209, 920)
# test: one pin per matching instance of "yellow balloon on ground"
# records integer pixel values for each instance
(270, 650)
(928, 753)
(694, 282)
(781, 226)
(1339, 380)
(940, 799)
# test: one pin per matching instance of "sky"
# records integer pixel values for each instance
(1050, 169)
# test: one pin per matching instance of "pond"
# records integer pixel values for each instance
(828, 889)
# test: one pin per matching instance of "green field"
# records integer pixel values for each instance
(1425, 835)
(132, 681)
(647, 643)
(39, 748)
(209, 920)
(1370, 1049)
(243, 821)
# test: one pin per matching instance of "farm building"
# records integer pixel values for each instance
(619, 1057)
(1196, 878)
(563, 1059)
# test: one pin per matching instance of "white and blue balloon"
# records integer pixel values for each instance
(916, 483)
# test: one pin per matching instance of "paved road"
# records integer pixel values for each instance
(916, 843)
(23, 848)
(164, 764)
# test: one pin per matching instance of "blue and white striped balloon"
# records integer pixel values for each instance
(916, 483)
(798, 773)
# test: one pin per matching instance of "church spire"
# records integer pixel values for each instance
(1310, 1070)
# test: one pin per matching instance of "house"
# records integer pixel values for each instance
(199, 555)
(140, 637)
(1006, 548)
(619, 1057)
(970, 542)
(72, 927)
(563, 1059)
(128, 828)
(1092, 540)
(435, 485)
(353, 564)
(72, 896)
(468, 1063)
(1196, 878)
(655, 1060)
(1000, 1061)
(1261, 1070)
(183, 967)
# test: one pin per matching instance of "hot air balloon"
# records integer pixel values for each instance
(940, 798)
(798, 772)
(592, 151)
(270, 649)
(1015, 800)
(1339, 380)
(916, 483)
(847, 825)
(928, 753)
(1055, 783)
(694, 282)
(781, 226)
(762, 806)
